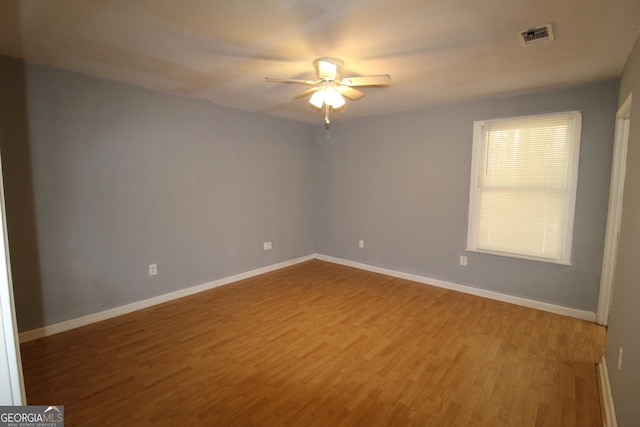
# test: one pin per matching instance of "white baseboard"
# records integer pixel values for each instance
(607, 399)
(552, 308)
(139, 305)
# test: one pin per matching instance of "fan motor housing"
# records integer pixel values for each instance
(328, 68)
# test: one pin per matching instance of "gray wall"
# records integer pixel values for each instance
(401, 183)
(106, 178)
(18, 187)
(624, 323)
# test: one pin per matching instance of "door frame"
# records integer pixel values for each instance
(614, 214)
(12, 391)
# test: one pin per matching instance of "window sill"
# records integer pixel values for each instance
(517, 256)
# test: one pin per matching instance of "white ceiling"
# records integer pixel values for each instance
(436, 51)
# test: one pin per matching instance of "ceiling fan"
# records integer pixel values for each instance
(329, 89)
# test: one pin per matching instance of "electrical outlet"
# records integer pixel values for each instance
(620, 358)
(463, 260)
(267, 246)
(153, 269)
(361, 244)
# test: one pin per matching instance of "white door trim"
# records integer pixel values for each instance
(614, 215)
(11, 381)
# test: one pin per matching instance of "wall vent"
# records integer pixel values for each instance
(536, 35)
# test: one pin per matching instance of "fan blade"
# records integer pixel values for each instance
(306, 93)
(379, 80)
(300, 82)
(351, 93)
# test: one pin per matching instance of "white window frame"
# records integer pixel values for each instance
(564, 257)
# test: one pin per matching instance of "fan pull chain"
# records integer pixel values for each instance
(326, 115)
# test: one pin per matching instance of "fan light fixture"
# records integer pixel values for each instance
(327, 94)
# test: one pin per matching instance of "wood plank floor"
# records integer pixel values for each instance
(322, 344)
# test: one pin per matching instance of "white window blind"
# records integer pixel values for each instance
(523, 184)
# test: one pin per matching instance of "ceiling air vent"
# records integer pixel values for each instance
(536, 35)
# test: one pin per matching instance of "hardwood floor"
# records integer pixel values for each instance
(322, 344)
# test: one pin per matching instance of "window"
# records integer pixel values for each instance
(523, 186)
